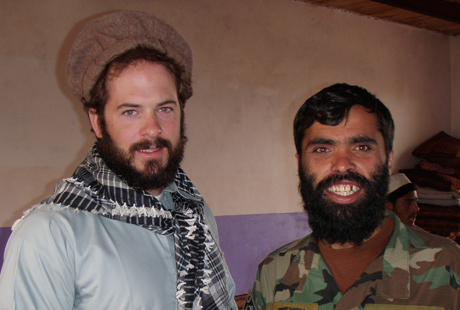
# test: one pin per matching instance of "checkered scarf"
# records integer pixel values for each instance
(201, 278)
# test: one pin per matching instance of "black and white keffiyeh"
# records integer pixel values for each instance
(201, 278)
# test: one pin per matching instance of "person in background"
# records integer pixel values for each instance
(402, 199)
(128, 230)
(359, 255)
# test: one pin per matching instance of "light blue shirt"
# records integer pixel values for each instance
(57, 258)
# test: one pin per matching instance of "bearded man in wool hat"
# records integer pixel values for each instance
(128, 230)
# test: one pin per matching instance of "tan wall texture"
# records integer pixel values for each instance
(256, 62)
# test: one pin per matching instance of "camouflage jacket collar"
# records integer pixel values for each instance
(392, 266)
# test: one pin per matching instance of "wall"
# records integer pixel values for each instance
(256, 62)
(455, 84)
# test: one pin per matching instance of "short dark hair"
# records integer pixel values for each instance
(401, 192)
(99, 93)
(332, 104)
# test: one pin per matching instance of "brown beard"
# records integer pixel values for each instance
(154, 176)
(342, 223)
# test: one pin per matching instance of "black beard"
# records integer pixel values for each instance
(341, 223)
(154, 175)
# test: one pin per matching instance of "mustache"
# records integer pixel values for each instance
(145, 144)
(349, 176)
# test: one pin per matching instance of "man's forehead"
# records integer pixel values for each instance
(116, 69)
(411, 195)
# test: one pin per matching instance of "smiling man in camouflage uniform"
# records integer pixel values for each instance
(359, 256)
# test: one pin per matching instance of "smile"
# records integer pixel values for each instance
(343, 190)
(150, 150)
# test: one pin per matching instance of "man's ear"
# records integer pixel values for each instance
(95, 122)
(390, 160)
(297, 157)
(389, 206)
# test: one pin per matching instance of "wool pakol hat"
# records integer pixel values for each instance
(107, 37)
(396, 181)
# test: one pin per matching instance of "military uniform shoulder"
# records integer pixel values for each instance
(433, 241)
(291, 248)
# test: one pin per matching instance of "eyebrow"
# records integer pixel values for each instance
(352, 140)
(127, 105)
(362, 139)
(322, 141)
(135, 105)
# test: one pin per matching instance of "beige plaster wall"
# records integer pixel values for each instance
(256, 61)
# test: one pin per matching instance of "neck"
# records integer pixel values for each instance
(155, 191)
(347, 245)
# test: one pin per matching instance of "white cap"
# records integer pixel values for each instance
(396, 181)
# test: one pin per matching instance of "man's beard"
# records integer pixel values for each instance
(154, 175)
(341, 223)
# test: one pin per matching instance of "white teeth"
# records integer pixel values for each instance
(149, 150)
(343, 190)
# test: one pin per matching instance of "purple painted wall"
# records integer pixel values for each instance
(5, 233)
(247, 239)
(244, 239)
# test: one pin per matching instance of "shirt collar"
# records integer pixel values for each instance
(394, 263)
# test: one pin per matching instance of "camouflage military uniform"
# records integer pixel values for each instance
(416, 268)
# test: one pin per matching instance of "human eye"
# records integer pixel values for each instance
(165, 112)
(129, 112)
(363, 148)
(320, 150)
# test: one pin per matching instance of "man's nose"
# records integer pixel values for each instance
(343, 161)
(150, 126)
(415, 207)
